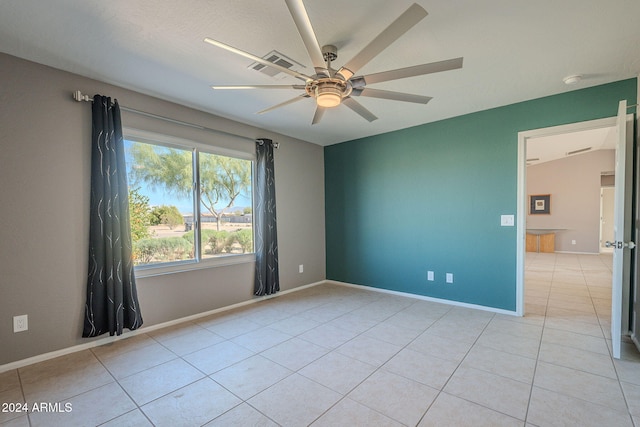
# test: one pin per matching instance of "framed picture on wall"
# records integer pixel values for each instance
(540, 204)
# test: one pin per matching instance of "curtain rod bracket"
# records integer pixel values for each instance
(79, 96)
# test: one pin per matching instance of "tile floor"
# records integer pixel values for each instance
(340, 356)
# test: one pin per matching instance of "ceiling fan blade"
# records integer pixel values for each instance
(301, 19)
(358, 108)
(394, 96)
(401, 25)
(282, 104)
(416, 70)
(318, 115)
(241, 87)
(257, 59)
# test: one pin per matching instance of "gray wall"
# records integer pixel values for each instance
(574, 184)
(45, 174)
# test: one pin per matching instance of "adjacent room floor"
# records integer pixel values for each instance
(332, 355)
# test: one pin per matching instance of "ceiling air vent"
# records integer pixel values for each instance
(582, 150)
(277, 58)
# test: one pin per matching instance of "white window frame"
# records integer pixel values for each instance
(197, 147)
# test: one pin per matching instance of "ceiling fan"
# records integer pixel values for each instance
(330, 87)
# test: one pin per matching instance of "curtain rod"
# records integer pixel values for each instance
(80, 97)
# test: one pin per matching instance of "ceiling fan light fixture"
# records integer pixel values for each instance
(328, 96)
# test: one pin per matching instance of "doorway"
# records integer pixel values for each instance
(566, 240)
(620, 295)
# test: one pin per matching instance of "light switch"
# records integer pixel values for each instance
(507, 220)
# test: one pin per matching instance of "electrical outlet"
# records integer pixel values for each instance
(20, 323)
(573, 242)
(449, 278)
(430, 276)
(301, 268)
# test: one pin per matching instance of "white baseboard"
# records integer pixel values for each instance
(128, 334)
(426, 298)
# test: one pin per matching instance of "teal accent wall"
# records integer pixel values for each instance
(430, 198)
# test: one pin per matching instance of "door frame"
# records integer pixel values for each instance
(521, 209)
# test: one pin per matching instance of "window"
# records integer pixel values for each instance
(188, 203)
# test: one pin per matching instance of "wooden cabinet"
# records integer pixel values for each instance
(532, 243)
(541, 242)
(547, 243)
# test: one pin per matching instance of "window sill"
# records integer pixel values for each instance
(183, 266)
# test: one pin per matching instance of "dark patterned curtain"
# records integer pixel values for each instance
(112, 300)
(266, 231)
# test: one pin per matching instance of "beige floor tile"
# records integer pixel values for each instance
(628, 370)
(133, 418)
(427, 309)
(123, 345)
(572, 339)
(349, 413)
(442, 347)
(22, 421)
(456, 329)
(234, 327)
(328, 336)
(9, 380)
(514, 328)
(408, 320)
(395, 396)
(338, 372)
(265, 315)
(424, 368)
(393, 334)
(87, 409)
(294, 325)
(580, 360)
(63, 377)
(240, 416)
(12, 396)
(493, 391)
(194, 340)
(509, 343)
(498, 362)
(218, 356)
(295, 353)
(324, 313)
(632, 394)
(579, 384)
(353, 323)
(548, 408)
(192, 405)
(249, 377)
(122, 365)
(261, 339)
(369, 350)
(155, 382)
(584, 328)
(568, 313)
(452, 411)
(295, 401)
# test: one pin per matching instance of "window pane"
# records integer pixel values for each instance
(225, 205)
(160, 202)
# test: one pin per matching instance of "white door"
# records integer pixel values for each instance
(622, 232)
(606, 217)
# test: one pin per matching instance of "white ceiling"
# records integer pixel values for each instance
(513, 50)
(548, 148)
